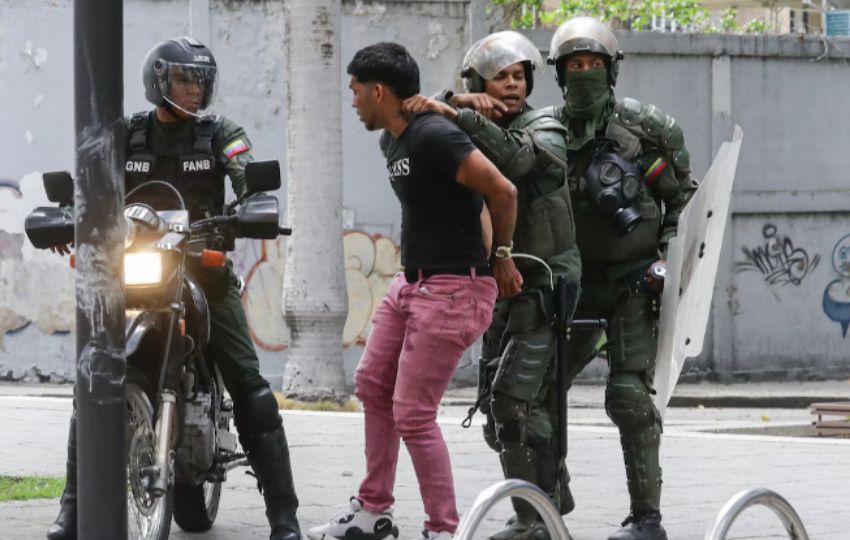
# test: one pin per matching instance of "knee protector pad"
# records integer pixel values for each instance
(510, 416)
(525, 364)
(628, 403)
(257, 411)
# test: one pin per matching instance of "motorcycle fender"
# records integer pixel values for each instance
(137, 325)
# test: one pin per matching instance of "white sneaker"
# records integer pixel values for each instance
(352, 522)
(431, 535)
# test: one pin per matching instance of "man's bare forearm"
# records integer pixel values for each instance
(480, 175)
(503, 215)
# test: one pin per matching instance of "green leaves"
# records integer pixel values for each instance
(636, 15)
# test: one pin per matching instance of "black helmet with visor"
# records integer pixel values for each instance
(179, 63)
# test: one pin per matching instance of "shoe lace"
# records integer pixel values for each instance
(630, 519)
(643, 519)
(344, 510)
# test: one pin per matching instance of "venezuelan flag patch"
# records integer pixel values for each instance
(236, 147)
(655, 171)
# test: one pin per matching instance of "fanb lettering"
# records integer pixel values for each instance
(197, 165)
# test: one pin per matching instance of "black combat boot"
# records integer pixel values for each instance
(268, 455)
(65, 526)
(521, 462)
(566, 502)
(645, 526)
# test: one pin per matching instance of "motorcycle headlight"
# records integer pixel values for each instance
(142, 268)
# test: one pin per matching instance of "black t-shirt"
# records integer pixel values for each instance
(440, 225)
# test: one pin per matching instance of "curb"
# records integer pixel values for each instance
(713, 402)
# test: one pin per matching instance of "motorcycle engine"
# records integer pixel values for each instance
(197, 451)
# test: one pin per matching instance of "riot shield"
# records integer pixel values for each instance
(692, 260)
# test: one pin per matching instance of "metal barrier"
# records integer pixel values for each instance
(745, 499)
(512, 488)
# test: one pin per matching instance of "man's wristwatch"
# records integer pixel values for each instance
(502, 252)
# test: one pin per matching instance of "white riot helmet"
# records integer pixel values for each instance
(585, 34)
(490, 55)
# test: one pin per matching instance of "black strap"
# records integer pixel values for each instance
(138, 129)
(204, 130)
(482, 396)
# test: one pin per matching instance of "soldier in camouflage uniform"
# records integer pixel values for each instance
(630, 178)
(517, 388)
(194, 152)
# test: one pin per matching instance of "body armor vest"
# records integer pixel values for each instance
(598, 240)
(190, 166)
(544, 226)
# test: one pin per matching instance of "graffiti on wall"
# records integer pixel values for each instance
(371, 260)
(836, 296)
(778, 260)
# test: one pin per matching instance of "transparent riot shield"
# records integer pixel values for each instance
(692, 260)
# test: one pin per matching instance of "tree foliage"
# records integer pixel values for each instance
(638, 15)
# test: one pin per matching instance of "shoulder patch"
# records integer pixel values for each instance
(235, 147)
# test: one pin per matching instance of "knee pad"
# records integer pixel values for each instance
(510, 416)
(257, 411)
(526, 362)
(628, 403)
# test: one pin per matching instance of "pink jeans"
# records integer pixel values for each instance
(418, 335)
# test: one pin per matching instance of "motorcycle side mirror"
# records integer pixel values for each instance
(262, 176)
(47, 226)
(59, 187)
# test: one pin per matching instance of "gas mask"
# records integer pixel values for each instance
(614, 184)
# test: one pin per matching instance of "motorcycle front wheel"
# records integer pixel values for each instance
(196, 507)
(148, 517)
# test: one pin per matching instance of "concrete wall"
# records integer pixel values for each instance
(781, 306)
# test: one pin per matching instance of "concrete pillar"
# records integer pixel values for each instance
(315, 299)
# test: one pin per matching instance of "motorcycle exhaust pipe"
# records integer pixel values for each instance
(164, 426)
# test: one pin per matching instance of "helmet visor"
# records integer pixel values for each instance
(497, 51)
(190, 87)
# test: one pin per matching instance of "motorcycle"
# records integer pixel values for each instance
(179, 440)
